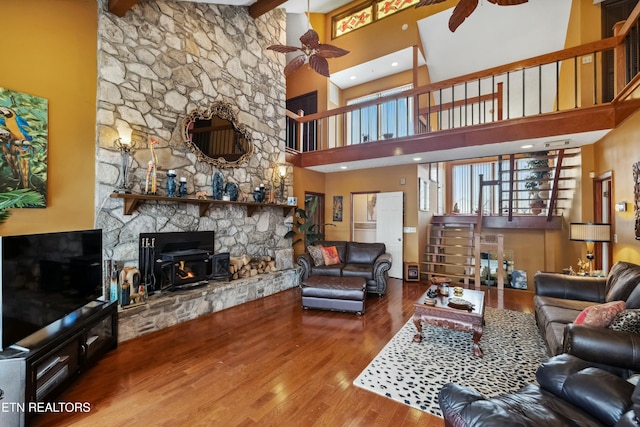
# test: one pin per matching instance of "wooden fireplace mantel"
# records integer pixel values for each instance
(131, 202)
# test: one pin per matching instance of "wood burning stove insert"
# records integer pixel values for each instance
(185, 267)
(178, 260)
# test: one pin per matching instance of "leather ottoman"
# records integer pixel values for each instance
(334, 293)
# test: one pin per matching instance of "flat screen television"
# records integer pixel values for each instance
(45, 277)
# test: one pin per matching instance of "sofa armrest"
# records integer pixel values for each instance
(304, 261)
(570, 287)
(618, 349)
(453, 399)
(381, 268)
(382, 262)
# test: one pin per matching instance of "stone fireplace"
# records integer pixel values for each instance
(158, 63)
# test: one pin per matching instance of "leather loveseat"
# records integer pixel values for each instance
(560, 298)
(590, 385)
(367, 260)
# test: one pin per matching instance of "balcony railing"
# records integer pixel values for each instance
(560, 81)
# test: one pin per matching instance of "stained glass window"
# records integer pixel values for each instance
(354, 20)
(366, 14)
(385, 8)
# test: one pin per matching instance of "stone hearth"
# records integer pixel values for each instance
(170, 308)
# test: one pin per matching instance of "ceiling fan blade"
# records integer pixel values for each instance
(329, 51)
(310, 39)
(319, 65)
(507, 2)
(282, 48)
(295, 63)
(462, 12)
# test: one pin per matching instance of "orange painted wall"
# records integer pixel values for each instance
(617, 152)
(52, 50)
(383, 179)
(382, 37)
(363, 44)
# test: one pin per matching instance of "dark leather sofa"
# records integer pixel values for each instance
(589, 379)
(367, 260)
(560, 298)
(587, 386)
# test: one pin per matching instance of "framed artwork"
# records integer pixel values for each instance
(337, 208)
(292, 201)
(636, 197)
(24, 139)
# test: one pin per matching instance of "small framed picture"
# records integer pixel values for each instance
(292, 201)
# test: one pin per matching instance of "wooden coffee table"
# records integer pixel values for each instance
(452, 318)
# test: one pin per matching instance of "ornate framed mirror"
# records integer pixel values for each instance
(215, 136)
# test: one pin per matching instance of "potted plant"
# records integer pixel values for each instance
(303, 225)
(538, 176)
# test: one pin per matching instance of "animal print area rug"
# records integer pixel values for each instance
(413, 373)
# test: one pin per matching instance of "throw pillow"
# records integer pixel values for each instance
(627, 320)
(316, 255)
(330, 255)
(600, 315)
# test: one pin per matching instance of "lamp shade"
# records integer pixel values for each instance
(590, 232)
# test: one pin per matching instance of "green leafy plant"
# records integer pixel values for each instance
(539, 171)
(303, 225)
(22, 198)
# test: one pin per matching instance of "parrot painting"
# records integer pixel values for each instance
(16, 144)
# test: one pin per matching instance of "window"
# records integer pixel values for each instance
(465, 180)
(382, 120)
(367, 13)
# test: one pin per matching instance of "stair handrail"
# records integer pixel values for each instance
(553, 198)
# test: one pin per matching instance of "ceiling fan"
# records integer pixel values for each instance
(313, 51)
(466, 8)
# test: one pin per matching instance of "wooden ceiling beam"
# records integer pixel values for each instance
(121, 7)
(261, 7)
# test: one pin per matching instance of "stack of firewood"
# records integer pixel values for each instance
(245, 266)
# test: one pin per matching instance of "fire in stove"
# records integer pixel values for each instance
(184, 271)
(185, 268)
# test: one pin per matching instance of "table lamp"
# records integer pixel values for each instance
(590, 233)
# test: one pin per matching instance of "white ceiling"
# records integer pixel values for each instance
(493, 35)
(473, 152)
(377, 68)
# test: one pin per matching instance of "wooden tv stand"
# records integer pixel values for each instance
(40, 366)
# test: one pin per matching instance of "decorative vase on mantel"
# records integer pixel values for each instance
(232, 190)
(217, 186)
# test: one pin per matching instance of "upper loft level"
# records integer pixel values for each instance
(572, 96)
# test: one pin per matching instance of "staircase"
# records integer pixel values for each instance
(450, 251)
(532, 190)
(454, 251)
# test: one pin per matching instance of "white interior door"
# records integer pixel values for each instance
(389, 223)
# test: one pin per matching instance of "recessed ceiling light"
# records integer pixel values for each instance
(343, 167)
(352, 77)
(527, 146)
(394, 64)
(417, 159)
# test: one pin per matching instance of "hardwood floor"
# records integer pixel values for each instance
(267, 363)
